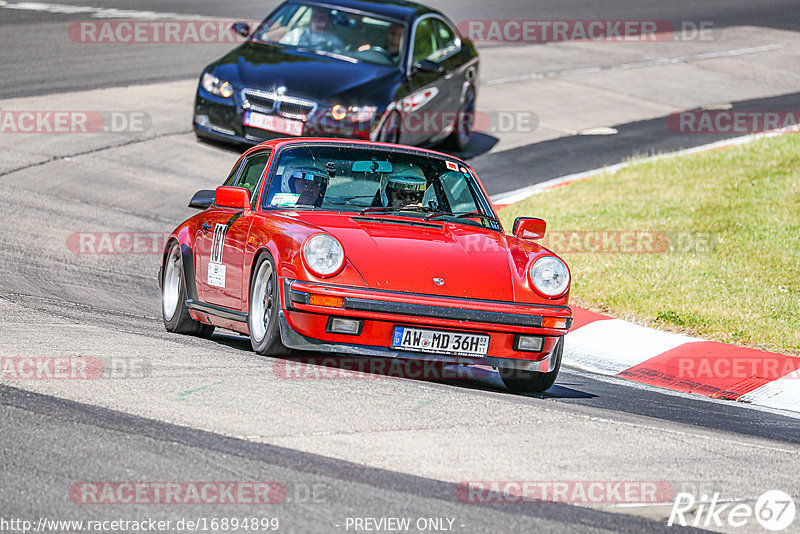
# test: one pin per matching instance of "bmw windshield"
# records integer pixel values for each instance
(376, 181)
(335, 33)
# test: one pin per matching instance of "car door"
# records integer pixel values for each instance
(223, 239)
(428, 96)
(449, 58)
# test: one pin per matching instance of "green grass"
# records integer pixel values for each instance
(732, 272)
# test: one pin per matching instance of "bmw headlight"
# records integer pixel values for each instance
(353, 113)
(550, 276)
(323, 254)
(215, 86)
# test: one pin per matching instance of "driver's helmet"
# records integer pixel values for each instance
(405, 186)
(307, 178)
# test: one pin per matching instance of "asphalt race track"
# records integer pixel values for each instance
(182, 409)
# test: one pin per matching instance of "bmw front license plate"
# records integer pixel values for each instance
(439, 342)
(273, 124)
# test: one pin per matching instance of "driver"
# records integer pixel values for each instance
(394, 39)
(405, 186)
(394, 42)
(318, 34)
(309, 180)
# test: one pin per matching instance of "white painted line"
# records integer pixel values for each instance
(601, 130)
(638, 64)
(97, 12)
(517, 195)
(612, 346)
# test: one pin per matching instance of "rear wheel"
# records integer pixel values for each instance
(520, 381)
(262, 318)
(173, 298)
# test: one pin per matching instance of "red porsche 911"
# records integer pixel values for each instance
(368, 249)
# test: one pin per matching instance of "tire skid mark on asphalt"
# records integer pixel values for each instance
(121, 144)
(98, 12)
(638, 64)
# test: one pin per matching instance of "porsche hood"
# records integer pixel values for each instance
(435, 258)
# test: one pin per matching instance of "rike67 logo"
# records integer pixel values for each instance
(774, 510)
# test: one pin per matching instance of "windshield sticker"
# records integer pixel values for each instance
(285, 199)
(452, 166)
(464, 170)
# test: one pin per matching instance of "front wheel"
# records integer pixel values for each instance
(262, 318)
(390, 129)
(173, 298)
(520, 381)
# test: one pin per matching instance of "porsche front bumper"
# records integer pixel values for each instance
(304, 324)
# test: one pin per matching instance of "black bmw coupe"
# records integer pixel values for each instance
(391, 71)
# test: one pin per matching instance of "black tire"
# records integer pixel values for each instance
(265, 336)
(520, 381)
(173, 298)
(462, 135)
(390, 129)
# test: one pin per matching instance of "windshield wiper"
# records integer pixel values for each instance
(335, 56)
(466, 215)
(385, 209)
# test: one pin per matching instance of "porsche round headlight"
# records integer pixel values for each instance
(550, 276)
(323, 254)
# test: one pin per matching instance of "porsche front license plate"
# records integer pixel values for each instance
(273, 124)
(435, 341)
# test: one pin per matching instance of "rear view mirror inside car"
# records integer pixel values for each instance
(372, 166)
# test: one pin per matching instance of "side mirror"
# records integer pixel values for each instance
(427, 66)
(202, 199)
(232, 197)
(242, 28)
(529, 228)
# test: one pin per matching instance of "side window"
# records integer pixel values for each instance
(252, 169)
(232, 176)
(447, 39)
(425, 42)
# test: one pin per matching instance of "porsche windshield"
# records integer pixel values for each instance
(375, 181)
(336, 33)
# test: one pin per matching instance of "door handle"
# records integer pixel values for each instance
(206, 227)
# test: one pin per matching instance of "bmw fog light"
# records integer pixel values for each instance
(202, 120)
